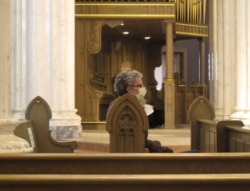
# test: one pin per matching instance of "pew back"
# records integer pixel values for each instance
(237, 139)
(208, 135)
(127, 124)
(36, 129)
(213, 135)
(200, 108)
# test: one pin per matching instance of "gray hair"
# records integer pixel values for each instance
(125, 79)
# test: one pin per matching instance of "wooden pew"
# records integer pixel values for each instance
(127, 125)
(234, 139)
(123, 182)
(36, 129)
(125, 163)
(207, 134)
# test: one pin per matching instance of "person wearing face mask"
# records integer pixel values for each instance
(131, 82)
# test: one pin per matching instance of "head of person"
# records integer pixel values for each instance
(130, 81)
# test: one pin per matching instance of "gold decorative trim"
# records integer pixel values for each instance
(191, 30)
(125, 10)
(124, 16)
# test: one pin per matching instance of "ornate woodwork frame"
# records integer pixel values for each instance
(90, 18)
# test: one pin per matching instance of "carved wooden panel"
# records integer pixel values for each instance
(127, 124)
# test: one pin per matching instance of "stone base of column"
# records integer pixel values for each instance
(14, 144)
(66, 132)
(237, 115)
(9, 142)
(66, 126)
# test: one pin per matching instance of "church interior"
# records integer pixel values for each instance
(63, 128)
(138, 39)
(180, 31)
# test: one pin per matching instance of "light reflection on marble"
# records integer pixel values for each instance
(12, 144)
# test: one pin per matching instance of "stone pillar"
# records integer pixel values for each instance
(43, 61)
(241, 61)
(221, 58)
(169, 84)
(9, 142)
(229, 34)
(5, 61)
(229, 63)
(248, 65)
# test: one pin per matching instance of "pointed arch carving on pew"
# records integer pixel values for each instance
(200, 108)
(37, 132)
(38, 103)
(127, 123)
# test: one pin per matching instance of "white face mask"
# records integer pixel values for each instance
(141, 94)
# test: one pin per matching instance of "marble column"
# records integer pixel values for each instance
(9, 142)
(241, 59)
(248, 56)
(5, 114)
(44, 63)
(230, 47)
(220, 57)
(228, 61)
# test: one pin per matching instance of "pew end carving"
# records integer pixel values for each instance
(36, 129)
(209, 135)
(127, 125)
(200, 108)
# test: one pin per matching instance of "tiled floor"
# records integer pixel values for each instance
(98, 140)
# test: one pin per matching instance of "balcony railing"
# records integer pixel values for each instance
(187, 11)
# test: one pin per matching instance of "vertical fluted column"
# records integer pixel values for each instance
(7, 123)
(241, 59)
(248, 60)
(230, 61)
(169, 84)
(9, 142)
(61, 55)
(5, 60)
(18, 59)
(221, 57)
(228, 53)
(219, 61)
(43, 64)
(212, 57)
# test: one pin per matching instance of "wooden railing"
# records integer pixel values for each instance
(134, 172)
(187, 11)
(126, 163)
(173, 182)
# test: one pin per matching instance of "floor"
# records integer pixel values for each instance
(98, 140)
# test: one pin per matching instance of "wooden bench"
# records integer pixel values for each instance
(208, 135)
(125, 163)
(235, 139)
(127, 124)
(123, 182)
(36, 129)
